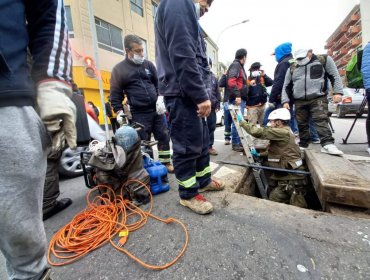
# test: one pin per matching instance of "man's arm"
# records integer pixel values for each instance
(232, 76)
(49, 45)
(154, 77)
(181, 30)
(116, 90)
(285, 97)
(268, 81)
(277, 86)
(334, 77)
(51, 69)
(267, 133)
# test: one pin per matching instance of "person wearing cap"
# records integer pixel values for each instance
(215, 97)
(184, 79)
(257, 94)
(304, 85)
(283, 152)
(237, 91)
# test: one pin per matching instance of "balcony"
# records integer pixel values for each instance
(353, 19)
(341, 53)
(356, 42)
(343, 30)
(340, 43)
(343, 62)
(329, 44)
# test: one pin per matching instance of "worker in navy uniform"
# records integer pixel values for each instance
(137, 78)
(184, 81)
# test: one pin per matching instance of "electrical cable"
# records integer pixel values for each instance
(105, 217)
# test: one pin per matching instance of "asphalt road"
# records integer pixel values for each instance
(244, 238)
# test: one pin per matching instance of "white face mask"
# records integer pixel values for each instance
(256, 73)
(303, 61)
(197, 9)
(137, 59)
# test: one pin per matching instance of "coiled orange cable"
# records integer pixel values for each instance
(105, 216)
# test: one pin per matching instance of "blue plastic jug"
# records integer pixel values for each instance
(158, 175)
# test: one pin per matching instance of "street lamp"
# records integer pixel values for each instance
(228, 27)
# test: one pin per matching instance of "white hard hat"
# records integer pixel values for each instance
(301, 53)
(280, 114)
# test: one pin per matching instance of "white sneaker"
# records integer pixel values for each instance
(316, 141)
(331, 149)
(368, 150)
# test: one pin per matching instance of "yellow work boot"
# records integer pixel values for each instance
(169, 167)
(213, 186)
(198, 204)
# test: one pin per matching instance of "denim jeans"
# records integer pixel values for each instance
(235, 140)
(228, 121)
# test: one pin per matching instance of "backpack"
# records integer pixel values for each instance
(322, 58)
(353, 71)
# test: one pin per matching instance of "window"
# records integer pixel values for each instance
(109, 36)
(154, 8)
(68, 16)
(137, 7)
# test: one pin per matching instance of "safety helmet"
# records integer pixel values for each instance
(280, 114)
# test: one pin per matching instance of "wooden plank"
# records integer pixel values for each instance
(348, 211)
(337, 180)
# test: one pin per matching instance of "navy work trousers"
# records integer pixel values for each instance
(190, 143)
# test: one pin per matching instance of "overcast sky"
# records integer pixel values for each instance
(304, 23)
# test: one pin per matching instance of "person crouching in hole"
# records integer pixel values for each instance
(283, 152)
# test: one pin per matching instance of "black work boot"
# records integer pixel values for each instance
(59, 206)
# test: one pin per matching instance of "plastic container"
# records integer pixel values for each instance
(158, 175)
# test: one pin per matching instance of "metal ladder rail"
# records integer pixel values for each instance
(247, 143)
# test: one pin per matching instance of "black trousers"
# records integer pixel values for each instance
(211, 122)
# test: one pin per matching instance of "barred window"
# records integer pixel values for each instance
(109, 36)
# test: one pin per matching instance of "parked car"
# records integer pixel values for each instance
(220, 118)
(70, 165)
(350, 104)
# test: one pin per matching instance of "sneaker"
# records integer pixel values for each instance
(331, 149)
(213, 186)
(169, 167)
(227, 142)
(59, 206)
(212, 152)
(302, 148)
(198, 204)
(237, 148)
(368, 150)
(316, 141)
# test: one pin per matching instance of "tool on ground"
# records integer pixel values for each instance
(265, 167)
(247, 143)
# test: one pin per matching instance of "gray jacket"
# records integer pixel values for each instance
(308, 81)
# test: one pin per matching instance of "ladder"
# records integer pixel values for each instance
(247, 143)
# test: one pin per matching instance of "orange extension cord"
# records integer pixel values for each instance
(104, 218)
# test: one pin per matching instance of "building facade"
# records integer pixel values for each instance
(113, 19)
(351, 35)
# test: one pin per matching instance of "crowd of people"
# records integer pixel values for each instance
(38, 97)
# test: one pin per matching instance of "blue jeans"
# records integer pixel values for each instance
(235, 140)
(228, 121)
